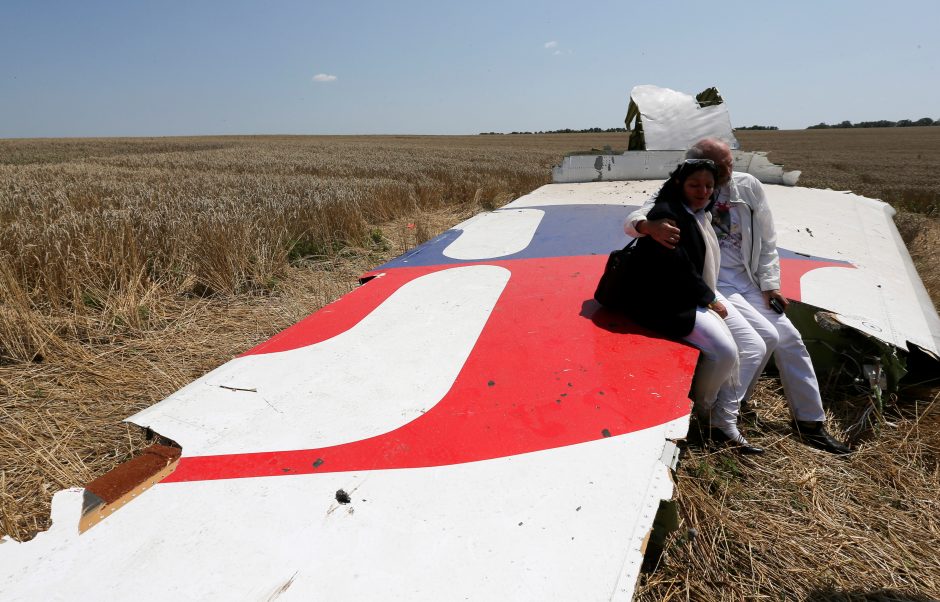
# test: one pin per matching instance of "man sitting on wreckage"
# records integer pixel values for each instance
(749, 279)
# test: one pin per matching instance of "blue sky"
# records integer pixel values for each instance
(204, 67)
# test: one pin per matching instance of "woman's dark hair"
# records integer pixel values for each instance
(672, 189)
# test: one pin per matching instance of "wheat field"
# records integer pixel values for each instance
(129, 267)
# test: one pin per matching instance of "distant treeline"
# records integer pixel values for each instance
(609, 130)
(884, 123)
(564, 131)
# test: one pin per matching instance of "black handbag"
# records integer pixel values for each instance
(615, 281)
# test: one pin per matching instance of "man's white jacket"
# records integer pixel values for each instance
(758, 236)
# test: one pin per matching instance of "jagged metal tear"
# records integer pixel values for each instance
(664, 119)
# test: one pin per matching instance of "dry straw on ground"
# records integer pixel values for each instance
(130, 267)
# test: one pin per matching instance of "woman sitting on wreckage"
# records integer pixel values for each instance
(679, 297)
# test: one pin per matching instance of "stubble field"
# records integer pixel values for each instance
(129, 267)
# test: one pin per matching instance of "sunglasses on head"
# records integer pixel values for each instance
(707, 162)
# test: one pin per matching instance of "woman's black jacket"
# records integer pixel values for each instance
(668, 285)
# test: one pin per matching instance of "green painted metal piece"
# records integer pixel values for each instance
(637, 140)
(709, 97)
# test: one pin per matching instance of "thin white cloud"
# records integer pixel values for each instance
(552, 44)
(557, 52)
(324, 77)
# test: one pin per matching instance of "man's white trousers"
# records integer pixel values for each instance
(754, 325)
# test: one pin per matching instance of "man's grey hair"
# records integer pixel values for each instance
(706, 148)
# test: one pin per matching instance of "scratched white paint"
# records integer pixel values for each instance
(884, 297)
(495, 234)
(560, 524)
(630, 194)
(649, 165)
(325, 394)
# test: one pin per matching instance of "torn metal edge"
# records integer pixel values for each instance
(114, 489)
(831, 343)
(659, 515)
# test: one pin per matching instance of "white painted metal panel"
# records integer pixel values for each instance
(495, 234)
(629, 194)
(325, 394)
(560, 524)
(883, 295)
(630, 165)
(649, 165)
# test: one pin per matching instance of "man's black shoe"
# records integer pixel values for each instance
(815, 434)
(742, 447)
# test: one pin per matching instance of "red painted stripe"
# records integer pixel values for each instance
(793, 270)
(550, 369)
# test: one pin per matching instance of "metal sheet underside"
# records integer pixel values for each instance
(499, 436)
(675, 121)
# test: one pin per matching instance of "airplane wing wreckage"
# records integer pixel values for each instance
(468, 423)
